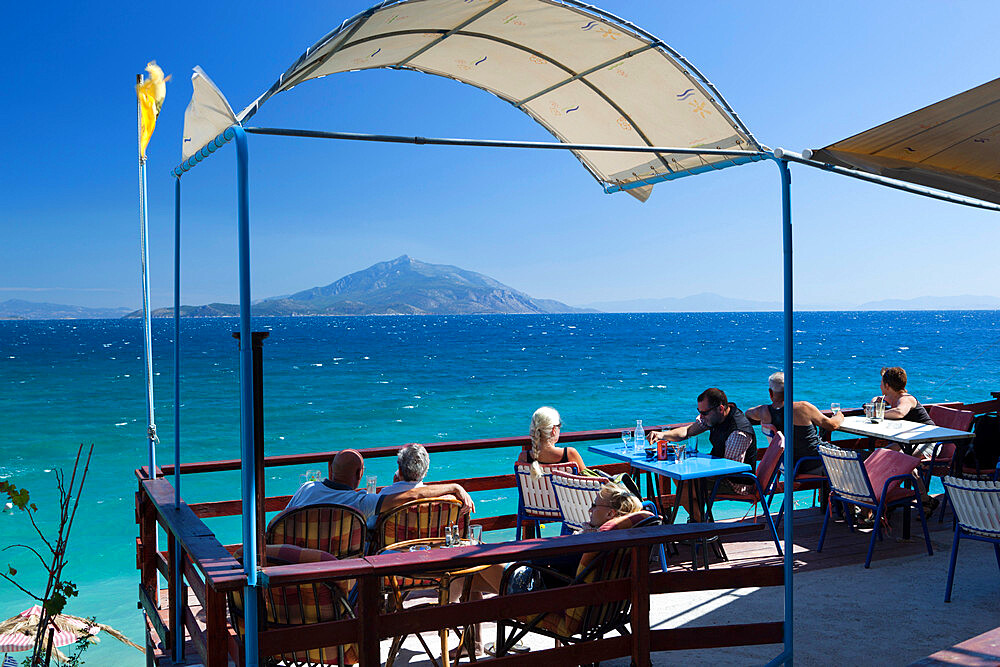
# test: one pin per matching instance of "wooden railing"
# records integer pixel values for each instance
(210, 573)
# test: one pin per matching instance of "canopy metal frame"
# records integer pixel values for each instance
(239, 133)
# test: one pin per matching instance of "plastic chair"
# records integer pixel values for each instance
(336, 529)
(576, 493)
(295, 605)
(977, 509)
(941, 461)
(981, 461)
(851, 483)
(577, 624)
(536, 500)
(767, 474)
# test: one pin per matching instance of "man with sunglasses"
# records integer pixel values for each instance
(730, 432)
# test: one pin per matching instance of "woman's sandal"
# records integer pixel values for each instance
(491, 648)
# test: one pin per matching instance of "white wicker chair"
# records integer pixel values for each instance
(977, 510)
(574, 495)
(536, 499)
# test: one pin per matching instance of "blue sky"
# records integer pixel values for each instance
(801, 75)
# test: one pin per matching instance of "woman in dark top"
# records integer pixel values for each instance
(900, 403)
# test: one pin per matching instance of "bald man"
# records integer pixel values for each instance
(348, 469)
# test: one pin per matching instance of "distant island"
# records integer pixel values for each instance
(406, 286)
(403, 286)
(18, 309)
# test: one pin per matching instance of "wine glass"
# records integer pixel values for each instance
(626, 438)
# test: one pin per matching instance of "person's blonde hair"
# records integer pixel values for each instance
(540, 431)
(619, 499)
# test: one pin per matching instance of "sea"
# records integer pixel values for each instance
(335, 382)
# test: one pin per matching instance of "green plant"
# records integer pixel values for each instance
(57, 589)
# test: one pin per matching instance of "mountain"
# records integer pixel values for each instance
(17, 309)
(403, 286)
(963, 302)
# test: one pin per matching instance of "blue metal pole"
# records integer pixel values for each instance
(177, 343)
(786, 235)
(249, 481)
(180, 599)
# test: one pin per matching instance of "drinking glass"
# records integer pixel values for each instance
(869, 410)
(475, 533)
(626, 438)
(835, 408)
(313, 475)
(372, 483)
(447, 536)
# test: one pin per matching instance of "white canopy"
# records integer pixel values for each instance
(585, 75)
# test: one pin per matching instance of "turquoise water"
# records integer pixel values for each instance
(333, 382)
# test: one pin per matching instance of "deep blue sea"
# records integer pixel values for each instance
(333, 382)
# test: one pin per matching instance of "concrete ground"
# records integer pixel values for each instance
(891, 614)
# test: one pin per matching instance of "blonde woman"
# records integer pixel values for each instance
(612, 501)
(544, 433)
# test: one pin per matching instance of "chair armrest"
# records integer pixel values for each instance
(895, 478)
(798, 464)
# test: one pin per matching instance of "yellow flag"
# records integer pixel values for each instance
(151, 92)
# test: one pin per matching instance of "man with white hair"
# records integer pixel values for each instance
(412, 463)
(806, 417)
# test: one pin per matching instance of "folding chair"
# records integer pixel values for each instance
(939, 459)
(577, 624)
(767, 474)
(850, 484)
(977, 509)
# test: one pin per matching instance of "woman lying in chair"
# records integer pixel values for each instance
(611, 503)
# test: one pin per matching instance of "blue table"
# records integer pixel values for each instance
(699, 467)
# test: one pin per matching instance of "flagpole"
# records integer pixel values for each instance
(146, 324)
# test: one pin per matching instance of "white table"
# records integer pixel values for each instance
(902, 431)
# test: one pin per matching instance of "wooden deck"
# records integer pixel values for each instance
(980, 651)
(752, 549)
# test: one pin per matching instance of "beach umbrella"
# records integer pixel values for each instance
(18, 632)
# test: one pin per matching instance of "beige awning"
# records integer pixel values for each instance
(953, 145)
(587, 77)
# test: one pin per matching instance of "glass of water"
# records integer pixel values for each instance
(835, 408)
(476, 533)
(626, 438)
(372, 483)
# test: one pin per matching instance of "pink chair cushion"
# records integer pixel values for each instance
(625, 521)
(886, 463)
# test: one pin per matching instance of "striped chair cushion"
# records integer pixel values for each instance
(336, 529)
(300, 604)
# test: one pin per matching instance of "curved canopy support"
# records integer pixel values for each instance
(585, 75)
